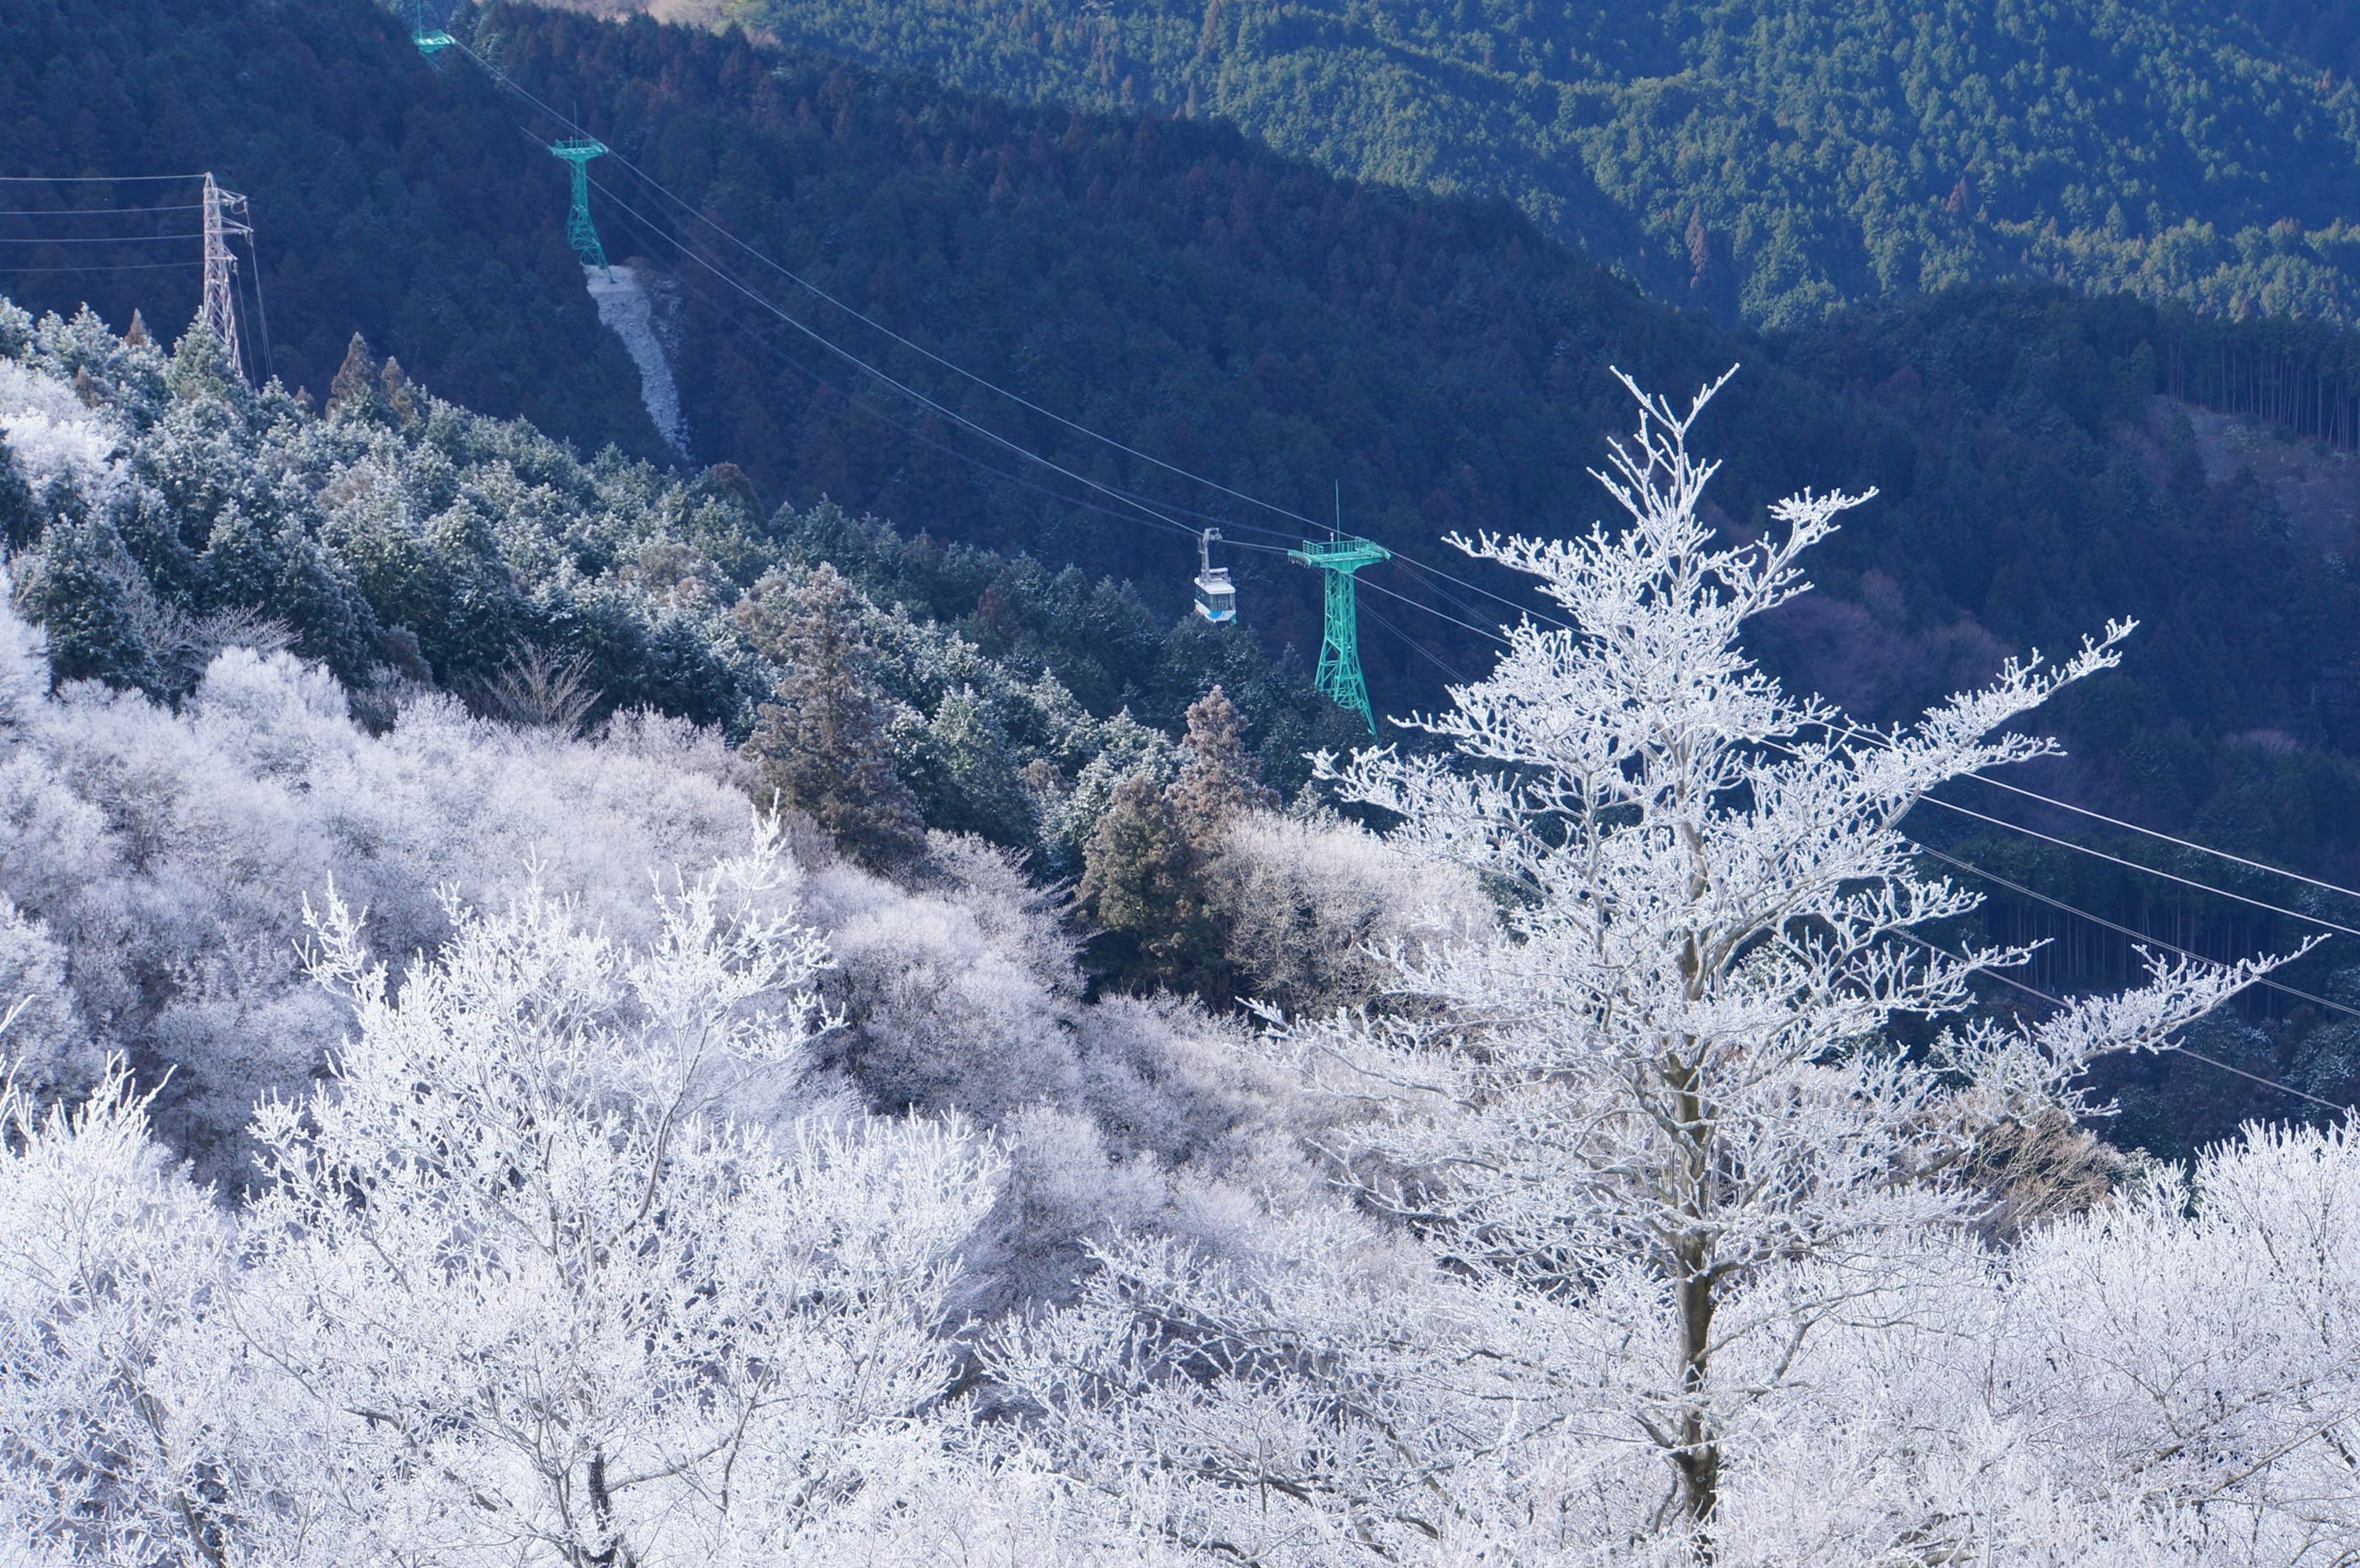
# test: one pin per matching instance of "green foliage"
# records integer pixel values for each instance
(1146, 880)
(85, 590)
(1763, 159)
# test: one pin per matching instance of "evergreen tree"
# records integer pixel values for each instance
(821, 745)
(86, 593)
(21, 518)
(1220, 779)
(354, 386)
(1144, 876)
(1142, 882)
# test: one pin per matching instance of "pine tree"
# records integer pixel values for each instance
(1143, 883)
(821, 744)
(21, 515)
(356, 384)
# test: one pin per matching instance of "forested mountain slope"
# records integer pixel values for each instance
(385, 205)
(1286, 333)
(1281, 332)
(1765, 160)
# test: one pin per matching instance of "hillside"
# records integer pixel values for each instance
(445, 1137)
(388, 202)
(1763, 159)
(1441, 363)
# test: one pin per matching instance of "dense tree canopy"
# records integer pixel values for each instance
(1765, 160)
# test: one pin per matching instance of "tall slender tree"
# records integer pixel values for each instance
(1663, 1135)
(820, 744)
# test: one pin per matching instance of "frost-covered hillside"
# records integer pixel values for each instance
(469, 1103)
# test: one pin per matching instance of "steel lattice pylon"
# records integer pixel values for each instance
(579, 230)
(1339, 650)
(223, 212)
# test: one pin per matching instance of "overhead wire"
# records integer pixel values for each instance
(103, 239)
(1158, 514)
(1155, 514)
(1149, 513)
(1856, 732)
(2006, 979)
(1414, 646)
(2167, 838)
(870, 410)
(701, 217)
(813, 289)
(95, 211)
(121, 267)
(2151, 870)
(93, 179)
(1996, 880)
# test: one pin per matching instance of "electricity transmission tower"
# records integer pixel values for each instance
(1339, 650)
(225, 214)
(578, 151)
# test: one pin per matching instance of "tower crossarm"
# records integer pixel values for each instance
(224, 213)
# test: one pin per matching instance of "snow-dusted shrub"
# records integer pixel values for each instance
(518, 1288)
(1310, 910)
(169, 853)
(116, 1399)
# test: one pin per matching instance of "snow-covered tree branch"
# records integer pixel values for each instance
(1664, 1134)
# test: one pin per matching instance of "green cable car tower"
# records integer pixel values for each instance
(578, 151)
(430, 41)
(1339, 650)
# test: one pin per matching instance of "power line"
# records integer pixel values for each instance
(123, 267)
(815, 289)
(1523, 609)
(105, 239)
(1414, 644)
(2018, 887)
(1438, 615)
(870, 410)
(1158, 507)
(1152, 512)
(95, 211)
(1153, 516)
(2135, 866)
(2164, 837)
(2006, 979)
(1855, 732)
(93, 179)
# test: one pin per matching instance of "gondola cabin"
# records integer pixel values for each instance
(1216, 599)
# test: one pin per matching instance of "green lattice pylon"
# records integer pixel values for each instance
(579, 230)
(430, 41)
(1339, 650)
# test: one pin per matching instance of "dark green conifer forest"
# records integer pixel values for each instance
(1760, 159)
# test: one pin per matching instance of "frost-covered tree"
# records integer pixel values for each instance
(1662, 1137)
(1309, 909)
(113, 1406)
(550, 1301)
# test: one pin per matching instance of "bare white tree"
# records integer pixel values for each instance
(112, 1412)
(1666, 1135)
(548, 1304)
